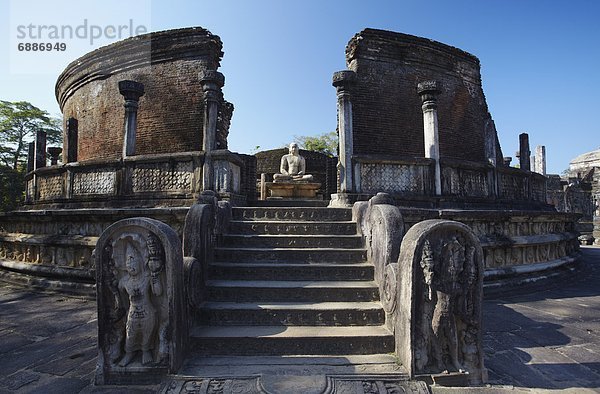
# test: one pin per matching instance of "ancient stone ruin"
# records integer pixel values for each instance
(387, 259)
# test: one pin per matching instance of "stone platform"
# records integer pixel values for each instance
(542, 338)
(293, 189)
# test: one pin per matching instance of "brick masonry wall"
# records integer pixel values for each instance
(170, 114)
(387, 116)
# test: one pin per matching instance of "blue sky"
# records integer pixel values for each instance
(540, 60)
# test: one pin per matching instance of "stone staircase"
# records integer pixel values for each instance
(291, 280)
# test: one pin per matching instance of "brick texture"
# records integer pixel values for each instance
(171, 112)
(387, 116)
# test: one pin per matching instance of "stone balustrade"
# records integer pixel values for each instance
(413, 177)
(141, 180)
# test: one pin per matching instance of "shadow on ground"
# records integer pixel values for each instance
(547, 335)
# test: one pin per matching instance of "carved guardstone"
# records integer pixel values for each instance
(438, 326)
(142, 315)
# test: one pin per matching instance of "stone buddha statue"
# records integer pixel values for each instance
(293, 167)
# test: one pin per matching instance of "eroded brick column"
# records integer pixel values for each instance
(71, 141)
(524, 152)
(428, 90)
(40, 149)
(343, 81)
(30, 156)
(132, 91)
(212, 82)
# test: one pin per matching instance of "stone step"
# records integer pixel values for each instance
(294, 365)
(329, 255)
(290, 271)
(292, 213)
(292, 241)
(292, 314)
(276, 202)
(293, 227)
(291, 291)
(288, 340)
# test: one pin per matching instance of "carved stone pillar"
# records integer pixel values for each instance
(524, 152)
(71, 141)
(54, 152)
(40, 149)
(212, 81)
(132, 91)
(490, 141)
(343, 82)
(30, 156)
(540, 159)
(428, 90)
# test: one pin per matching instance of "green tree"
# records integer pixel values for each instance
(326, 143)
(19, 122)
(12, 187)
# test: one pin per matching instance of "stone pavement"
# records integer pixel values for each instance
(538, 338)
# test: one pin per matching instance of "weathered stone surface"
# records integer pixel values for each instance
(438, 324)
(141, 305)
(382, 229)
(292, 189)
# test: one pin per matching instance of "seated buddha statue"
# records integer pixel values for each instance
(293, 167)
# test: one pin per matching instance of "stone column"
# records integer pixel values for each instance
(428, 90)
(540, 159)
(524, 152)
(343, 82)
(212, 81)
(490, 141)
(132, 91)
(30, 156)
(40, 149)
(71, 141)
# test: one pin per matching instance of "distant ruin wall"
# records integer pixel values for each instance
(170, 114)
(387, 117)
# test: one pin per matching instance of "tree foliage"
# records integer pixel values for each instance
(12, 187)
(326, 143)
(19, 122)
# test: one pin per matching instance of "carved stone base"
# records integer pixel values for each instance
(293, 189)
(452, 379)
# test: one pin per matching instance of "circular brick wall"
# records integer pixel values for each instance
(387, 115)
(170, 114)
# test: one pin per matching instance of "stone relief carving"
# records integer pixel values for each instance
(462, 182)
(50, 187)
(102, 182)
(372, 384)
(141, 307)
(62, 255)
(136, 266)
(163, 177)
(439, 315)
(393, 178)
(512, 187)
